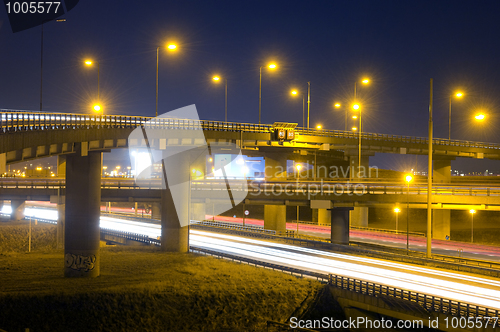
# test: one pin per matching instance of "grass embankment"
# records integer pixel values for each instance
(142, 289)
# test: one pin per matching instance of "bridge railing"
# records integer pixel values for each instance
(274, 188)
(427, 302)
(26, 121)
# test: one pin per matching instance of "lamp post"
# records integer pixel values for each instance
(397, 210)
(429, 178)
(356, 106)
(308, 101)
(472, 211)
(41, 61)
(271, 66)
(295, 93)
(458, 95)
(298, 167)
(172, 48)
(89, 63)
(217, 79)
(408, 179)
(337, 105)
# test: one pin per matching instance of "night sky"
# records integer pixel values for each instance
(399, 45)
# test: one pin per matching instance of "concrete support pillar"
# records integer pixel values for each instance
(83, 201)
(156, 211)
(324, 217)
(275, 217)
(364, 171)
(61, 166)
(441, 224)
(61, 214)
(198, 211)
(340, 225)
(3, 163)
(441, 218)
(441, 171)
(275, 168)
(17, 207)
(175, 203)
(359, 216)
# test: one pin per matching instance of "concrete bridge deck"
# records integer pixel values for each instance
(26, 136)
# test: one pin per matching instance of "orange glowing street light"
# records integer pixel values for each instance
(170, 47)
(459, 95)
(480, 117)
(271, 66)
(89, 63)
(216, 79)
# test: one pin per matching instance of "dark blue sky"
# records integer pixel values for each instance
(399, 45)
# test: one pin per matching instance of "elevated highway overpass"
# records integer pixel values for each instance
(81, 138)
(28, 136)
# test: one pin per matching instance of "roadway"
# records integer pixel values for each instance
(378, 237)
(480, 291)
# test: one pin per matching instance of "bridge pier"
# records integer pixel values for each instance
(321, 217)
(340, 225)
(61, 211)
(198, 211)
(441, 173)
(175, 215)
(275, 217)
(61, 166)
(155, 210)
(275, 166)
(3, 163)
(17, 206)
(359, 216)
(82, 212)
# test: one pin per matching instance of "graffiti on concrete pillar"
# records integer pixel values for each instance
(79, 262)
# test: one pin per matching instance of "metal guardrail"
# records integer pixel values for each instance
(386, 231)
(27, 121)
(233, 226)
(428, 302)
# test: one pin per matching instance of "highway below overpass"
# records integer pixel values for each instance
(464, 288)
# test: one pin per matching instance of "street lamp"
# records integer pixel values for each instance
(89, 63)
(295, 93)
(318, 127)
(357, 107)
(172, 48)
(480, 117)
(41, 60)
(408, 179)
(217, 79)
(472, 211)
(457, 95)
(338, 105)
(298, 167)
(397, 210)
(271, 66)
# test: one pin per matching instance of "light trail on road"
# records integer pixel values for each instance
(480, 291)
